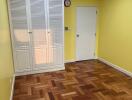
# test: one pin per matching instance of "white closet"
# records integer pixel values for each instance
(37, 35)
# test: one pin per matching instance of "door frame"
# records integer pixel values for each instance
(95, 57)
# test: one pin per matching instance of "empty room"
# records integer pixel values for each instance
(65, 49)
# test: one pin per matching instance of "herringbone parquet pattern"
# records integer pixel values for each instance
(85, 80)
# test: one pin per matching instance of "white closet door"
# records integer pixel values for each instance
(55, 28)
(42, 54)
(20, 36)
(37, 34)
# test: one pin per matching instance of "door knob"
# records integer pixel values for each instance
(77, 35)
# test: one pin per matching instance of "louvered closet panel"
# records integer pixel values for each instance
(20, 36)
(55, 25)
(42, 54)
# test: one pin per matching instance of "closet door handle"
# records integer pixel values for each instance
(48, 32)
(30, 32)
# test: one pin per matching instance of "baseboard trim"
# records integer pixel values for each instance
(116, 67)
(12, 87)
(74, 60)
(37, 71)
(70, 61)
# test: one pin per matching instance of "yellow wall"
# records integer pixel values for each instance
(115, 32)
(70, 21)
(114, 44)
(6, 67)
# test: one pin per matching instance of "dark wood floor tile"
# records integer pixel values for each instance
(83, 80)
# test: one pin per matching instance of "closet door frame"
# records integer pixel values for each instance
(11, 32)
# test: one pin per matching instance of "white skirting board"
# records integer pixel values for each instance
(70, 61)
(40, 71)
(116, 67)
(12, 88)
(74, 60)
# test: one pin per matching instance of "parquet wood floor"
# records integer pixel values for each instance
(84, 80)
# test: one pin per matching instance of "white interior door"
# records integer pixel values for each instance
(85, 33)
